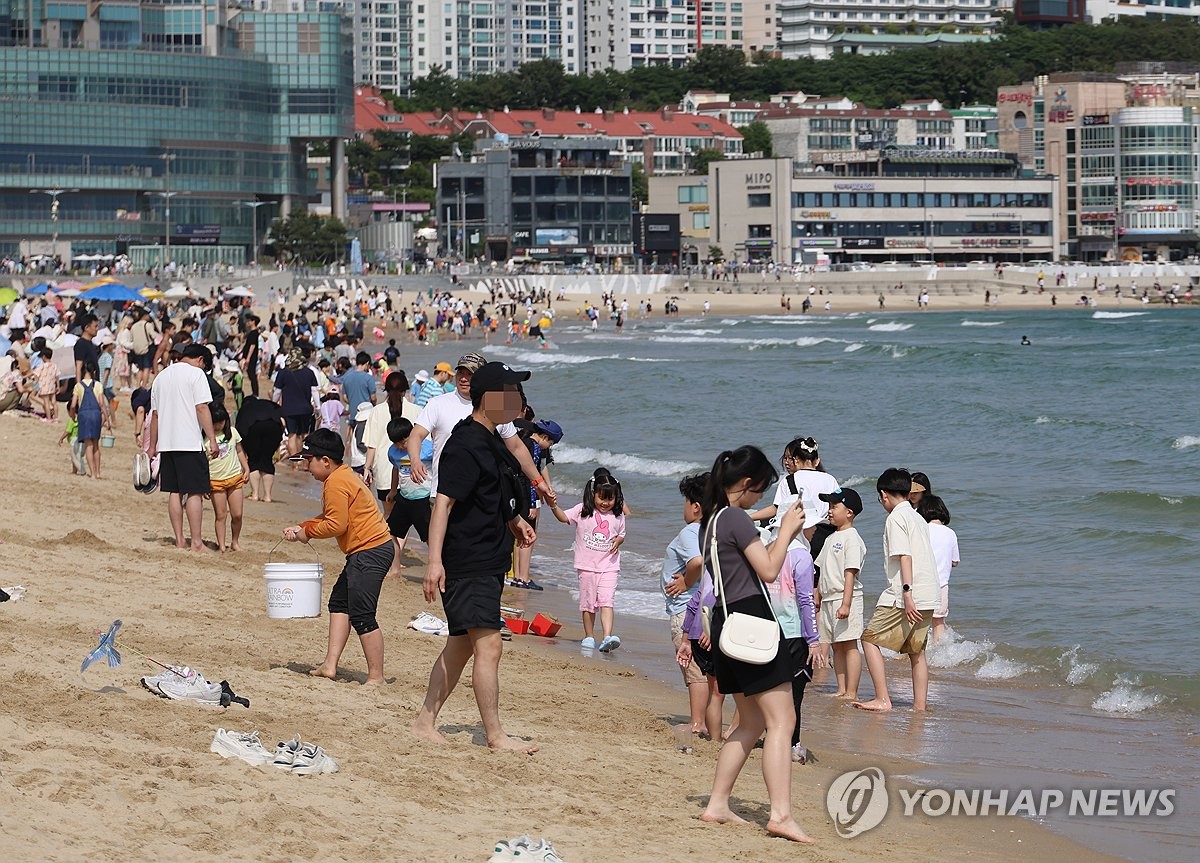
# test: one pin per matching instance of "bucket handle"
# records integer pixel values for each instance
(271, 553)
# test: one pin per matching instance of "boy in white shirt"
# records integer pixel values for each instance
(905, 609)
(839, 593)
(945, 554)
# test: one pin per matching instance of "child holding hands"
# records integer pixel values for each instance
(599, 532)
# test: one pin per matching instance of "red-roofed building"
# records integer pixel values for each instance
(660, 140)
(373, 112)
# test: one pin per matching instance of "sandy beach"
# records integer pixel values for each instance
(96, 767)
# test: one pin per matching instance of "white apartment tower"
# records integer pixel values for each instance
(624, 34)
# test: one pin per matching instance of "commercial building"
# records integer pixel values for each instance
(1125, 149)
(915, 205)
(822, 28)
(546, 199)
(163, 130)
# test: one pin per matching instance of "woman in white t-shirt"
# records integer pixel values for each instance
(944, 542)
(804, 480)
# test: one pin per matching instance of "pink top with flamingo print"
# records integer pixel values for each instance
(594, 536)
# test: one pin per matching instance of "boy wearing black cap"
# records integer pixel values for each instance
(349, 514)
(470, 550)
(839, 592)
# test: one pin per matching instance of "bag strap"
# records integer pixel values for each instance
(716, 570)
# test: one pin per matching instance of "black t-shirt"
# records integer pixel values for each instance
(478, 542)
(295, 387)
(86, 350)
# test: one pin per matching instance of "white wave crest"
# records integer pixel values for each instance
(856, 480)
(1125, 697)
(982, 323)
(854, 346)
(1001, 668)
(546, 357)
(1042, 421)
(1078, 670)
(953, 650)
(620, 463)
(1186, 441)
(1110, 316)
(892, 327)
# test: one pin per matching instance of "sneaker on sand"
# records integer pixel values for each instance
(311, 760)
(247, 747)
(610, 643)
(541, 850)
(195, 688)
(801, 755)
(505, 853)
(285, 753)
(588, 643)
(180, 673)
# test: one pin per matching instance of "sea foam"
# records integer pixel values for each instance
(1001, 668)
(892, 327)
(1186, 441)
(620, 463)
(982, 323)
(1125, 697)
(1111, 316)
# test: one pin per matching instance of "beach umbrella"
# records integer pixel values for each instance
(151, 293)
(176, 292)
(240, 292)
(40, 289)
(112, 292)
(69, 285)
(7, 296)
(103, 280)
(69, 292)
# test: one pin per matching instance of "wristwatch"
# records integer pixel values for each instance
(906, 588)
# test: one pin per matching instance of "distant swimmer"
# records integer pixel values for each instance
(1025, 340)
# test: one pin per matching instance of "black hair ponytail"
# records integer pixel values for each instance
(745, 462)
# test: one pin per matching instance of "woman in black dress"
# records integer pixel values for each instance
(763, 693)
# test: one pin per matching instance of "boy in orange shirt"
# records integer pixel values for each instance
(349, 514)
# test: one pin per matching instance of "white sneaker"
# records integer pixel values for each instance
(285, 753)
(312, 759)
(610, 643)
(429, 624)
(247, 747)
(801, 755)
(180, 673)
(505, 853)
(541, 850)
(195, 688)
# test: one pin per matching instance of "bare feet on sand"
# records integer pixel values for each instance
(721, 816)
(511, 744)
(322, 671)
(787, 828)
(428, 733)
(374, 681)
(875, 705)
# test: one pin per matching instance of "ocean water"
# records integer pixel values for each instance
(1071, 468)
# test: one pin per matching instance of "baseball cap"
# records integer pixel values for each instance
(550, 428)
(443, 367)
(847, 496)
(362, 411)
(322, 443)
(494, 377)
(471, 362)
(422, 376)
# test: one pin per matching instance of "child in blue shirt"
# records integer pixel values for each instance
(408, 500)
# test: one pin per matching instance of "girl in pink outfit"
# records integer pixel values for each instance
(599, 532)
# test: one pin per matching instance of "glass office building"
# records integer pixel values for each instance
(128, 123)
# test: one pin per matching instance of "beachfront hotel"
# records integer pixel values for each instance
(164, 130)
(1124, 148)
(901, 202)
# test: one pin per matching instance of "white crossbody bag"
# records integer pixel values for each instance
(744, 637)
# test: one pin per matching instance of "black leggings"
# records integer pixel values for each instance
(260, 443)
(798, 649)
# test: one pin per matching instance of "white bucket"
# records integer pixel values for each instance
(293, 589)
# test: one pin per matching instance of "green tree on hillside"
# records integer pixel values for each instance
(756, 138)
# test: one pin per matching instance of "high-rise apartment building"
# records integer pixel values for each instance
(625, 34)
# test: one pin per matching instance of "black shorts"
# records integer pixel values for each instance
(742, 677)
(703, 659)
(299, 423)
(260, 443)
(407, 514)
(356, 592)
(183, 472)
(473, 603)
(142, 361)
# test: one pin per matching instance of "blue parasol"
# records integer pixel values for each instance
(116, 293)
(39, 289)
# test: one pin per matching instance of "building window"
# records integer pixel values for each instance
(308, 38)
(762, 199)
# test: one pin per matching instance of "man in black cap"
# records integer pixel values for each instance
(478, 504)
